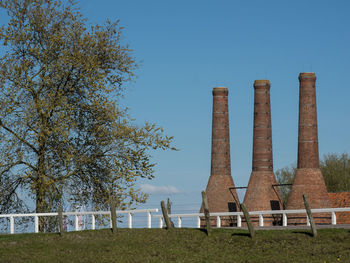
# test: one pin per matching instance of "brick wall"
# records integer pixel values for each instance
(338, 200)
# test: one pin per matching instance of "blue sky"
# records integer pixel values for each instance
(188, 47)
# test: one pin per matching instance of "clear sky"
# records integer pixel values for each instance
(188, 47)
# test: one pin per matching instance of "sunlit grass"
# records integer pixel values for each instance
(178, 245)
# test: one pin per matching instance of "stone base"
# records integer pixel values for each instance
(308, 181)
(260, 194)
(220, 197)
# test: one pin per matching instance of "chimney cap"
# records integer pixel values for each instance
(261, 83)
(220, 91)
(307, 75)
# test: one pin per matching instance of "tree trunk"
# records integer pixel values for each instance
(41, 204)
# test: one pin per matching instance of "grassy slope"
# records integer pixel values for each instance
(179, 245)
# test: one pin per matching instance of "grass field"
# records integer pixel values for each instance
(178, 245)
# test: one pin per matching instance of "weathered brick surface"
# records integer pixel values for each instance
(308, 138)
(308, 181)
(220, 198)
(308, 178)
(261, 194)
(339, 200)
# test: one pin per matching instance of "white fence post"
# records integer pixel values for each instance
(179, 222)
(149, 220)
(261, 220)
(307, 220)
(239, 221)
(160, 222)
(93, 222)
(334, 218)
(129, 220)
(218, 221)
(198, 222)
(12, 225)
(36, 224)
(284, 219)
(76, 227)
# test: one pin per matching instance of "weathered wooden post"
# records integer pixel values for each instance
(206, 212)
(60, 220)
(311, 218)
(247, 219)
(168, 206)
(167, 220)
(113, 214)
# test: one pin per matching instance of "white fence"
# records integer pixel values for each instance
(260, 214)
(76, 215)
(179, 217)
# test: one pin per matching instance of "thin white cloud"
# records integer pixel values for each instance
(151, 189)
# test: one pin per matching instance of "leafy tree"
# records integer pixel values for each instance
(335, 170)
(285, 177)
(63, 137)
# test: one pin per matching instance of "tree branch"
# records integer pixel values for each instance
(13, 187)
(11, 165)
(18, 137)
(29, 165)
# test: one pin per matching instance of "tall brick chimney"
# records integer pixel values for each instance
(308, 178)
(220, 197)
(262, 192)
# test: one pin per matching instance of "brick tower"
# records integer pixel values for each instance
(220, 197)
(262, 192)
(308, 177)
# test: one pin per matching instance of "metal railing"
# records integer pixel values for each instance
(260, 214)
(76, 215)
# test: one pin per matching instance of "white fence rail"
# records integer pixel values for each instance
(179, 217)
(260, 214)
(76, 215)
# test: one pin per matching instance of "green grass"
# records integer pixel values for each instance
(178, 245)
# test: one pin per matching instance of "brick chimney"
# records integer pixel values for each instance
(262, 192)
(220, 197)
(308, 178)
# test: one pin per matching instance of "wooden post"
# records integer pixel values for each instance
(168, 206)
(113, 215)
(60, 220)
(247, 219)
(311, 218)
(206, 212)
(167, 220)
